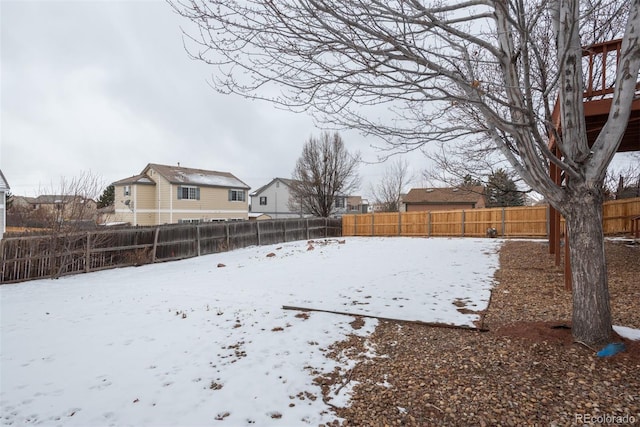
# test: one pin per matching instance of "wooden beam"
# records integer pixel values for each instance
(414, 322)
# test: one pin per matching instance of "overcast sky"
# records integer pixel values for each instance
(107, 87)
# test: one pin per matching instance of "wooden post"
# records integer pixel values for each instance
(307, 226)
(226, 229)
(284, 230)
(463, 216)
(549, 225)
(87, 254)
(399, 224)
(198, 238)
(155, 245)
(556, 238)
(567, 262)
(258, 232)
(429, 224)
(355, 225)
(503, 222)
(373, 228)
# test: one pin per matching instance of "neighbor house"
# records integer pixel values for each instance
(163, 194)
(440, 199)
(64, 207)
(357, 205)
(274, 199)
(4, 189)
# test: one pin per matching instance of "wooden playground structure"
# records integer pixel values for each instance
(602, 59)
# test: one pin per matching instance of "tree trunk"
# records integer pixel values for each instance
(591, 310)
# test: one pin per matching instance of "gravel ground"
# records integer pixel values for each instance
(525, 370)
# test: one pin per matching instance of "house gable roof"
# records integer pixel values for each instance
(452, 195)
(136, 179)
(4, 185)
(188, 176)
(285, 181)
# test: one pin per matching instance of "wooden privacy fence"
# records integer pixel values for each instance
(526, 221)
(34, 257)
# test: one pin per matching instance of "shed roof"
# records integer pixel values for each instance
(450, 195)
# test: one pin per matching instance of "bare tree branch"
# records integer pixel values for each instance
(415, 72)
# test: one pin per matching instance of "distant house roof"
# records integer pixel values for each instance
(285, 181)
(136, 179)
(455, 195)
(201, 177)
(4, 185)
(49, 199)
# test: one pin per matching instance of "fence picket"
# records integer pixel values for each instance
(37, 256)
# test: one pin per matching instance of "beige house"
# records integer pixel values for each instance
(441, 199)
(163, 194)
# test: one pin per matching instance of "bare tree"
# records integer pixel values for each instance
(414, 72)
(324, 172)
(623, 181)
(388, 191)
(65, 210)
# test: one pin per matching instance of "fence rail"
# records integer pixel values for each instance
(527, 221)
(34, 257)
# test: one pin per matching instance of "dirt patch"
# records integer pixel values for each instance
(357, 323)
(525, 371)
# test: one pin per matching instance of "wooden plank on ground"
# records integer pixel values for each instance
(414, 322)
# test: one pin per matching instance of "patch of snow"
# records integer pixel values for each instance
(187, 343)
(626, 332)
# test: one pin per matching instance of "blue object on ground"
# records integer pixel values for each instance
(611, 349)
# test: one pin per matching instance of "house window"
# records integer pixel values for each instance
(186, 192)
(263, 200)
(127, 190)
(236, 196)
(339, 202)
(189, 221)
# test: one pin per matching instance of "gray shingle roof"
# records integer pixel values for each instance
(287, 182)
(201, 177)
(444, 195)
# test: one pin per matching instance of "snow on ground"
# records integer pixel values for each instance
(628, 333)
(189, 343)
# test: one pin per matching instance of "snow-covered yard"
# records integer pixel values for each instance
(191, 343)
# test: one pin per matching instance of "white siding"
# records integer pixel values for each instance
(277, 194)
(3, 213)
